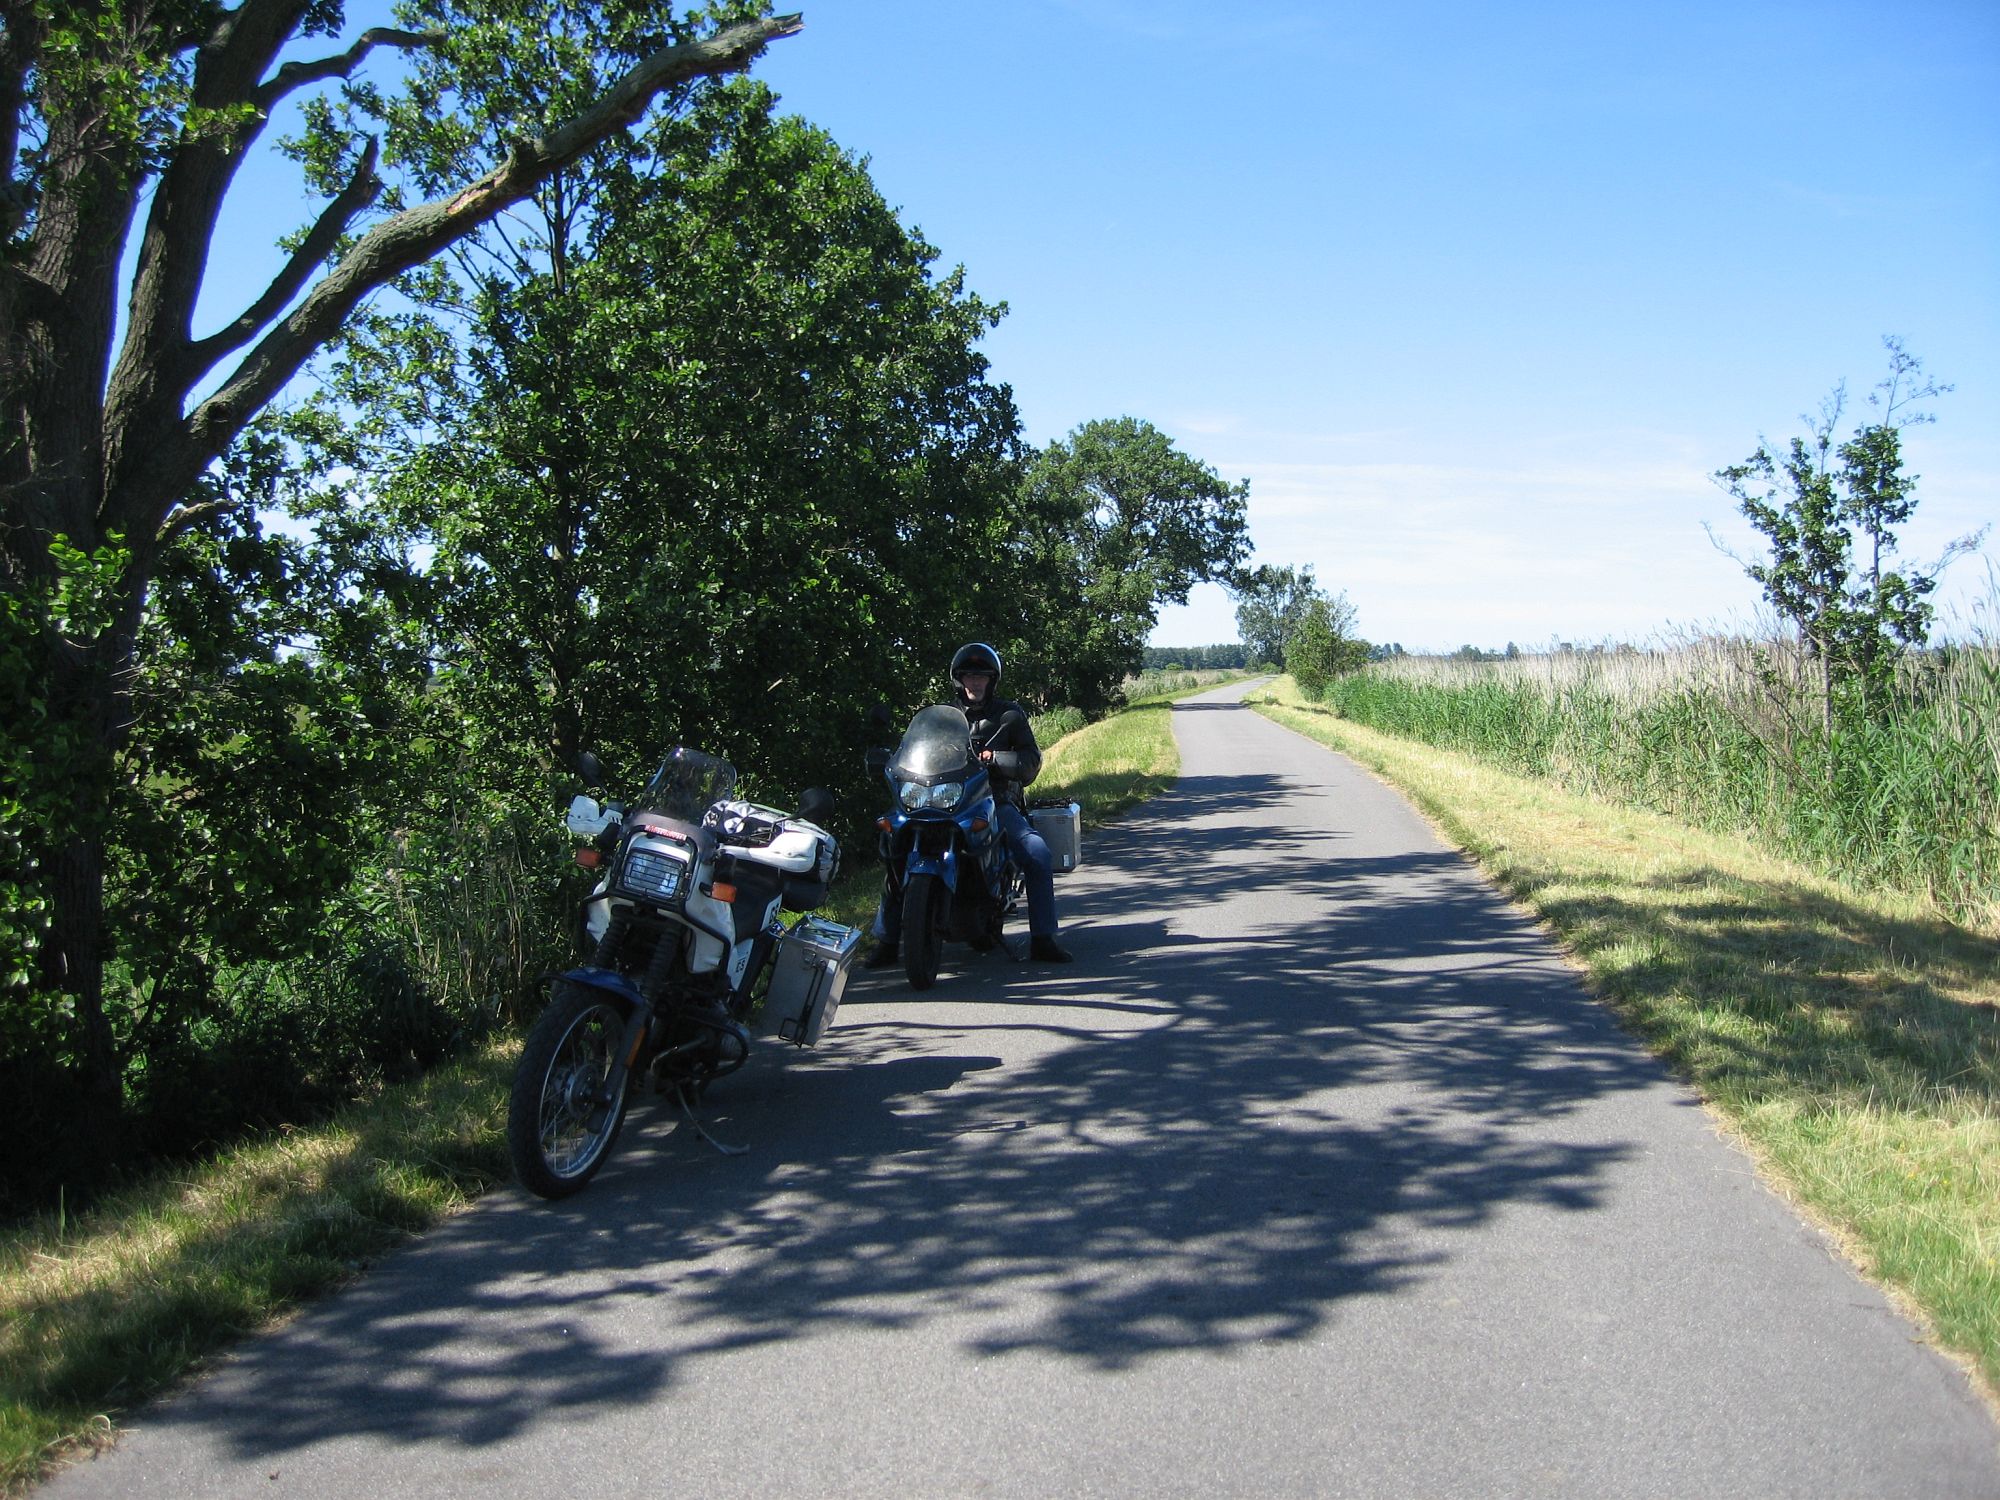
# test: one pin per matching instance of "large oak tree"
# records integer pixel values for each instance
(137, 115)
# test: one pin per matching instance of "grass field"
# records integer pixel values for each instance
(99, 1313)
(1851, 1040)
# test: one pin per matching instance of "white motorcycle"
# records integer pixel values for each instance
(686, 929)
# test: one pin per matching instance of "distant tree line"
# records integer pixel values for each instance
(1230, 657)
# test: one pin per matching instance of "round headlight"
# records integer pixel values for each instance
(945, 795)
(911, 795)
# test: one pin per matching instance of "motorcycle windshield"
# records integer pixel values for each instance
(687, 784)
(936, 744)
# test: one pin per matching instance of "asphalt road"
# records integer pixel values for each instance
(1316, 1175)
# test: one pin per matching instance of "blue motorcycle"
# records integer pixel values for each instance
(945, 860)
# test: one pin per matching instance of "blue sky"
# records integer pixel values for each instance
(1475, 296)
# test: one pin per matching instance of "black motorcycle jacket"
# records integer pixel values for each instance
(1001, 725)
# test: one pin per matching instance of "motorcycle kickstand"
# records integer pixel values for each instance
(687, 1108)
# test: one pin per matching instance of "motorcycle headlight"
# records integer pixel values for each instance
(911, 794)
(653, 871)
(945, 796)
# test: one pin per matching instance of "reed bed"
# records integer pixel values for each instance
(1165, 683)
(1730, 735)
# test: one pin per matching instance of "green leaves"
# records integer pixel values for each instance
(674, 483)
(1324, 645)
(1829, 513)
(1115, 521)
(1271, 603)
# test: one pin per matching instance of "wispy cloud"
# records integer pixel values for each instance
(1437, 555)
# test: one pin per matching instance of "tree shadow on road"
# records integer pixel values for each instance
(1182, 1162)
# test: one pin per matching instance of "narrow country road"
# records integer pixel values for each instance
(1316, 1175)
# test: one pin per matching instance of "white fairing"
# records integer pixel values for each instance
(799, 847)
(597, 916)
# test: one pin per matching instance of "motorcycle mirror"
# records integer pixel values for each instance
(591, 769)
(816, 805)
(879, 717)
(878, 761)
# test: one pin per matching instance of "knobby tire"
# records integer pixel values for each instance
(558, 1132)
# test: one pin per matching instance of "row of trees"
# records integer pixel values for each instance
(1229, 656)
(637, 415)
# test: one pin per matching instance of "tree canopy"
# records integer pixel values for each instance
(1271, 604)
(1116, 521)
(1818, 503)
(634, 414)
(123, 420)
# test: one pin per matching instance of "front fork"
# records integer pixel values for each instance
(914, 862)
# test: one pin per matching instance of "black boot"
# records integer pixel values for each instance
(886, 953)
(1048, 950)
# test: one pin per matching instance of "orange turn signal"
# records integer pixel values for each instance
(979, 825)
(883, 824)
(590, 859)
(722, 890)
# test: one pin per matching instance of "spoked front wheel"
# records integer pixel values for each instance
(561, 1118)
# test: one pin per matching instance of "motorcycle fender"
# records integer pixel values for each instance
(945, 867)
(610, 982)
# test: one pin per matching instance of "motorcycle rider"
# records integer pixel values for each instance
(1012, 759)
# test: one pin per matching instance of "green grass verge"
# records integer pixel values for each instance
(101, 1312)
(1851, 1040)
(1115, 764)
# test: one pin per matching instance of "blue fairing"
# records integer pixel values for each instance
(934, 750)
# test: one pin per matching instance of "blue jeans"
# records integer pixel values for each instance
(1031, 853)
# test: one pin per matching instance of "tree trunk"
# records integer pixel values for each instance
(88, 709)
(93, 452)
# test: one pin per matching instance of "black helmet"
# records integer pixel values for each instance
(976, 657)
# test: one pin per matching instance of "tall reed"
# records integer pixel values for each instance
(1728, 735)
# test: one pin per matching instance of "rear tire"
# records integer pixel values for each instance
(923, 917)
(559, 1129)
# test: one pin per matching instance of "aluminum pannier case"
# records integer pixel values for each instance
(808, 977)
(1061, 826)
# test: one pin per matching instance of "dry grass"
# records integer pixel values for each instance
(101, 1312)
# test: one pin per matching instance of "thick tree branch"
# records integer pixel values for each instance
(148, 389)
(418, 233)
(184, 516)
(362, 186)
(296, 75)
